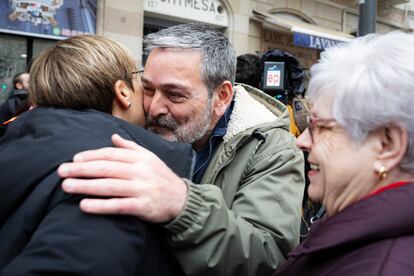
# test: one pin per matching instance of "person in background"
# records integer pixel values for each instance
(293, 96)
(84, 89)
(21, 81)
(360, 142)
(16, 102)
(248, 70)
(240, 212)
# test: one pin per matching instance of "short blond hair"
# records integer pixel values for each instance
(80, 73)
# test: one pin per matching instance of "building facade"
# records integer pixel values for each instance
(302, 27)
(252, 26)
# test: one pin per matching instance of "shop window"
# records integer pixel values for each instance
(13, 59)
(153, 25)
(39, 45)
(16, 54)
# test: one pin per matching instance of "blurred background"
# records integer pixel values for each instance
(303, 27)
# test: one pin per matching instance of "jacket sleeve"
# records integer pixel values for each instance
(69, 242)
(255, 233)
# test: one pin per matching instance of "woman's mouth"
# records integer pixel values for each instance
(314, 166)
(314, 169)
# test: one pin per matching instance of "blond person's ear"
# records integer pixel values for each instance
(123, 94)
(122, 99)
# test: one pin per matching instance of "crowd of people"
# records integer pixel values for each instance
(190, 167)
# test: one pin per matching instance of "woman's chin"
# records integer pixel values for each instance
(315, 192)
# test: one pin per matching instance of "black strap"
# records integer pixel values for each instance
(318, 215)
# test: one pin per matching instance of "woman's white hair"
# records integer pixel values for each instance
(372, 82)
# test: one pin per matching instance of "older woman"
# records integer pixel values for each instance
(76, 86)
(360, 142)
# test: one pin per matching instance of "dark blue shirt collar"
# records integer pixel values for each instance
(205, 154)
(221, 127)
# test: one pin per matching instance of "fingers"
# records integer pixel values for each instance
(97, 169)
(121, 206)
(101, 187)
(125, 151)
(108, 153)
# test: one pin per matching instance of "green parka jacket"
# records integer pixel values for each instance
(247, 219)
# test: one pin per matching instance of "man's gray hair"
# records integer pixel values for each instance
(372, 81)
(218, 56)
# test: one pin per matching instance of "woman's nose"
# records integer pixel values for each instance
(304, 141)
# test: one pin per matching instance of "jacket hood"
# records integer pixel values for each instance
(253, 108)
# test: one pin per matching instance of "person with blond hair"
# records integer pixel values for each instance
(83, 89)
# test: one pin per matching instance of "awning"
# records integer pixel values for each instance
(305, 34)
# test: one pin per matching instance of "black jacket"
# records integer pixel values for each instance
(13, 105)
(42, 229)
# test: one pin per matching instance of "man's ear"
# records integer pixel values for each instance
(122, 95)
(19, 86)
(394, 143)
(222, 98)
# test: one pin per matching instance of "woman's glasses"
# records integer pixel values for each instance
(316, 125)
(138, 73)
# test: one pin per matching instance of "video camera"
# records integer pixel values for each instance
(282, 77)
(274, 80)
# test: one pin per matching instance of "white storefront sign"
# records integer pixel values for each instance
(207, 11)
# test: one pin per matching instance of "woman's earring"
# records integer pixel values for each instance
(129, 104)
(382, 172)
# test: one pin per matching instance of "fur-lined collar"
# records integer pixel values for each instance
(251, 109)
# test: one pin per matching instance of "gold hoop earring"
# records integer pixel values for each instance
(382, 172)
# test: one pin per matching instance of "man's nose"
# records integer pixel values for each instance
(304, 141)
(158, 105)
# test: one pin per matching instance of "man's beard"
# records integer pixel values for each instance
(190, 132)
